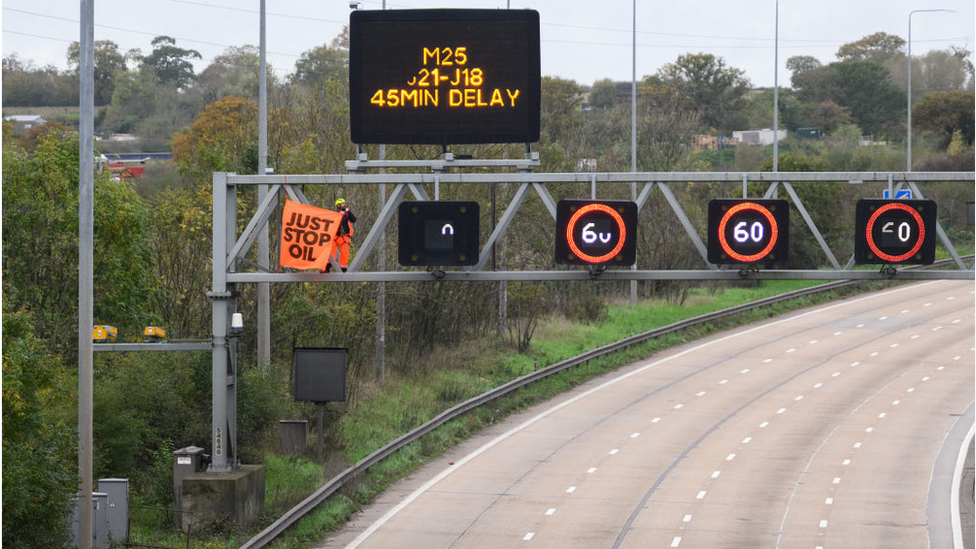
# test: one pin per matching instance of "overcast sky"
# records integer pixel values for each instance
(581, 40)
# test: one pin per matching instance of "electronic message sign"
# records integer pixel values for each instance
(748, 231)
(596, 232)
(444, 76)
(438, 233)
(894, 232)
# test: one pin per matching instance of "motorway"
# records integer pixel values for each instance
(836, 426)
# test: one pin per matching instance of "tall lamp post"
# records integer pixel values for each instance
(776, 93)
(910, 14)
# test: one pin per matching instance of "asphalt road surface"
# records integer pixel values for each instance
(829, 427)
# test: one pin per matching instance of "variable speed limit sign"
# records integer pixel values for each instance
(748, 231)
(895, 232)
(596, 232)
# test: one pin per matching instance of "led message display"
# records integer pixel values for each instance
(444, 76)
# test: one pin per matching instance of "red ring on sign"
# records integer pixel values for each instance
(596, 208)
(773, 232)
(870, 237)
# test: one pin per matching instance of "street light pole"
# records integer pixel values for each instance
(909, 125)
(264, 239)
(776, 93)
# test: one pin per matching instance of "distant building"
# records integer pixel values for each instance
(24, 122)
(713, 142)
(759, 137)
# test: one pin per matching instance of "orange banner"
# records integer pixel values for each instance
(307, 236)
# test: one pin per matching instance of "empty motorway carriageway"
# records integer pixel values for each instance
(844, 425)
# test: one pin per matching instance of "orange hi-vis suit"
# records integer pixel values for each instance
(344, 236)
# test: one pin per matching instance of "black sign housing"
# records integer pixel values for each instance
(894, 232)
(596, 232)
(444, 76)
(748, 231)
(438, 233)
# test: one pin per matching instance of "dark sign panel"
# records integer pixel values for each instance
(748, 231)
(444, 76)
(596, 232)
(320, 374)
(894, 232)
(438, 233)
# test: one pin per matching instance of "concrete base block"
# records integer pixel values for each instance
(211, 497)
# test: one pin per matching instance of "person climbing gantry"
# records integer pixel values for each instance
(344, 236)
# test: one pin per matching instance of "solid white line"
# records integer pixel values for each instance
(957, 540)
(504, 436)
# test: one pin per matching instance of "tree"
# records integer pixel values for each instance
(234, 72)
(827, 115)
(942, 70)
(109, 61)
(25, 85)
(875, 103)
(560, 100)
(603, 94)
(40, 242)
(222, 138)
(862, 87)
(707, 86)
(758, 110)
(802, 63)
(946, 113)
(878, 47)
(39, 475)
(170, 64)
(318, 65)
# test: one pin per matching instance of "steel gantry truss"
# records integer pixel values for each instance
(230, 248)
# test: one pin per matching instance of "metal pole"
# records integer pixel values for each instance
(776, 93)
(908, 161)
(633, 133)
(633, 98)
(86, 246)
(381, 287)
(264, 245)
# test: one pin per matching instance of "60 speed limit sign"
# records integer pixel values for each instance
(748, 231)
(895, 232)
